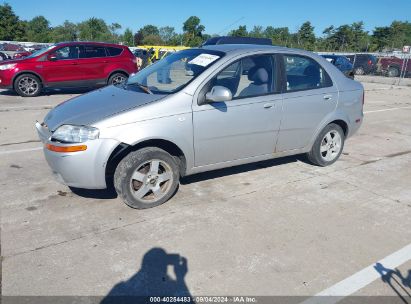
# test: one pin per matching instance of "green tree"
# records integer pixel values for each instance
(381, 38)
(38, 30)
(150, 30)
(66, 32)
(193, 31)
(306, 36)
(166, 34)
(11, 28)
(279, 36)
(257, 32)
(128, 37)
(240, 32)
(94, 29)
(114, 28)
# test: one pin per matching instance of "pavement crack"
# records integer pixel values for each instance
(20, 142)
(72, 239)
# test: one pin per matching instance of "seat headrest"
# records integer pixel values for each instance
(258, 75)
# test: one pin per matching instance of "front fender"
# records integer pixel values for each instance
(176, 129)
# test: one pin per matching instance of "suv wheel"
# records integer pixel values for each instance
(393, 72)
(117, 79)
(146, 178)
(27, 85)
(359, 71)
(328, 146)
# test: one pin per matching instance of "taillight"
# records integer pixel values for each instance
(369, 62)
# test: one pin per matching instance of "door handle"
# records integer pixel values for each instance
(268, 105)
(328, 97)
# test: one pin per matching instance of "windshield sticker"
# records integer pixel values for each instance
(204, 59)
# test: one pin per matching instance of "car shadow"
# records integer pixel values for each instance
(52, 92)
(241, 169)
(110, 192)
(160, 274)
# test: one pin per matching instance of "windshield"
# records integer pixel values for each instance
(175, 71)
(41, 51)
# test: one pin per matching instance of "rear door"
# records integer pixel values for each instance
(308, 96)
(93, 59)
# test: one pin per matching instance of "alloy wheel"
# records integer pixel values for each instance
(28, 86)
(151, 181)
(330, 145)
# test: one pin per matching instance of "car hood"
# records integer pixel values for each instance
(97, 105)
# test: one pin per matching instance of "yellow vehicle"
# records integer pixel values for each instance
(158, 52)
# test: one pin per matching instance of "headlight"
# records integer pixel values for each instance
(7, 66)
(75, 134)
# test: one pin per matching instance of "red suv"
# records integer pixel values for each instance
(71, 64)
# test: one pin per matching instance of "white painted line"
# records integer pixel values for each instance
(19, 151)
(360, 279)
(26, 107)
(389, 109)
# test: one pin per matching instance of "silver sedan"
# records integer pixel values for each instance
(199, 110)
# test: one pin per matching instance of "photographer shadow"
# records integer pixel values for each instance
(152, 280)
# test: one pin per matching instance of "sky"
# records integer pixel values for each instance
(219, 16)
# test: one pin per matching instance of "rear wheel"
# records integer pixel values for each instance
(146, 178)
(328, 146)
(393, 72)
(117, 79)
(27, 85)
(359, 71)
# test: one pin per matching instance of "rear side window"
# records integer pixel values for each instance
(114, 51)
(304, 73)
(92, 51)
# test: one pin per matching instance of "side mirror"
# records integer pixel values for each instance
(219, 94)
(52, 57)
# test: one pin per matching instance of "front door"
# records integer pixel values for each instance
(309, 95)
(246, 126)
(64, 66)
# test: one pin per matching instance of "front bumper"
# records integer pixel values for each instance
(83, 169)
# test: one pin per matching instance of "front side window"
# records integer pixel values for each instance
(92, 51)
(304, 73)
(248, 77)
(67, 53)
(175, 71)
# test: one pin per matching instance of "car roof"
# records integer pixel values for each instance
(91, 43)
(242, 48)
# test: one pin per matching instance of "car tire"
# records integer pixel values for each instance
(359, 71)
(146, 178)
(328, 146)
(117, 79)
(27, 85)
(393, 72)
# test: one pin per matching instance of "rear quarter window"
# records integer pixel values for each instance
(114, 51)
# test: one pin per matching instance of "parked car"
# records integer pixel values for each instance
(21, 54)
(392, 66)
(363, 63)
(146, 134)
(3, 56)
(71, 64)
(342, 63)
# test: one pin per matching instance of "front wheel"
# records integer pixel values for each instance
(328, 146)
(146, 178)
(27, 85)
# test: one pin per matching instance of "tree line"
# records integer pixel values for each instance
(345, 38)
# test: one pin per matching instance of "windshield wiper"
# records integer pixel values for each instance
(146, 89)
